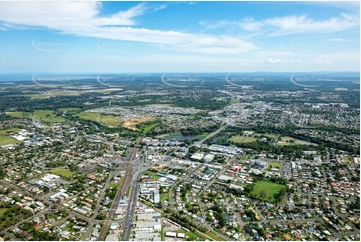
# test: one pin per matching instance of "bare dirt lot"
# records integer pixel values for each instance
(132, 122)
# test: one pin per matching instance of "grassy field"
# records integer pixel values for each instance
(2, 211)
(161, 136)
(112, 185)
(164, 196)
(48, 116)
(6, 131)
(108, 120)
(272, 136)
(269, 187)
(242, 139)
(69, 109)
(5, 140)
(150, 127)
(19, 114)
(88, 116)
(274, 164)
(152, 175)
(192, 236)
(62, 172)
(286, 139)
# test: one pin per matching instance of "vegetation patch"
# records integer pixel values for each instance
(19, 114)
(266, 190)
(62, 172)
(107, 120)
(274, 164)
(112, 185)
(6, 131)
(2, 211)
(6, 140)
(152, 175)
(48, 116)
(242, 139)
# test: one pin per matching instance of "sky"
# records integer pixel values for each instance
(110, 37)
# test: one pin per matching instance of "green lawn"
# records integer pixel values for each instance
(164, 196)
(5, 140)
(2, 211)
(108, 120)
(152, 175)
(88, 116)
(113, 185)
(269, 187)
(62, 172)
(242, 139)
(192, 236)
(272, 136)
(161, 136)
(274, 164)
(19, 114)
(48, 116)
(6, 131)
(150, 127)
(69, 109)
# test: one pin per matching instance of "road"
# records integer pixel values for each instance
(198, 143)
(90, 227)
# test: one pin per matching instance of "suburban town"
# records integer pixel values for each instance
(255, 169)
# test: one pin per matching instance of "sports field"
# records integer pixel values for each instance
(269, 187)
(62, 172)
(242, 139)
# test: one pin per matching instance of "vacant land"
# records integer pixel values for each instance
(268, 187)
(62, 172)
(131, 123)
(242, 139)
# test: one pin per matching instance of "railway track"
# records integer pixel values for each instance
(122, 190)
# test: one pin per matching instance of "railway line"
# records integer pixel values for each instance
(122, 190)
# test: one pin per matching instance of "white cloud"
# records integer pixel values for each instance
(341, 40)
(83, 19)
(290, 24)
(163, 6)
(297, 62)
(325, 62)
(272, 61)
(303, 24)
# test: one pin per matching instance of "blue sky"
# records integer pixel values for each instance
(105, 37)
